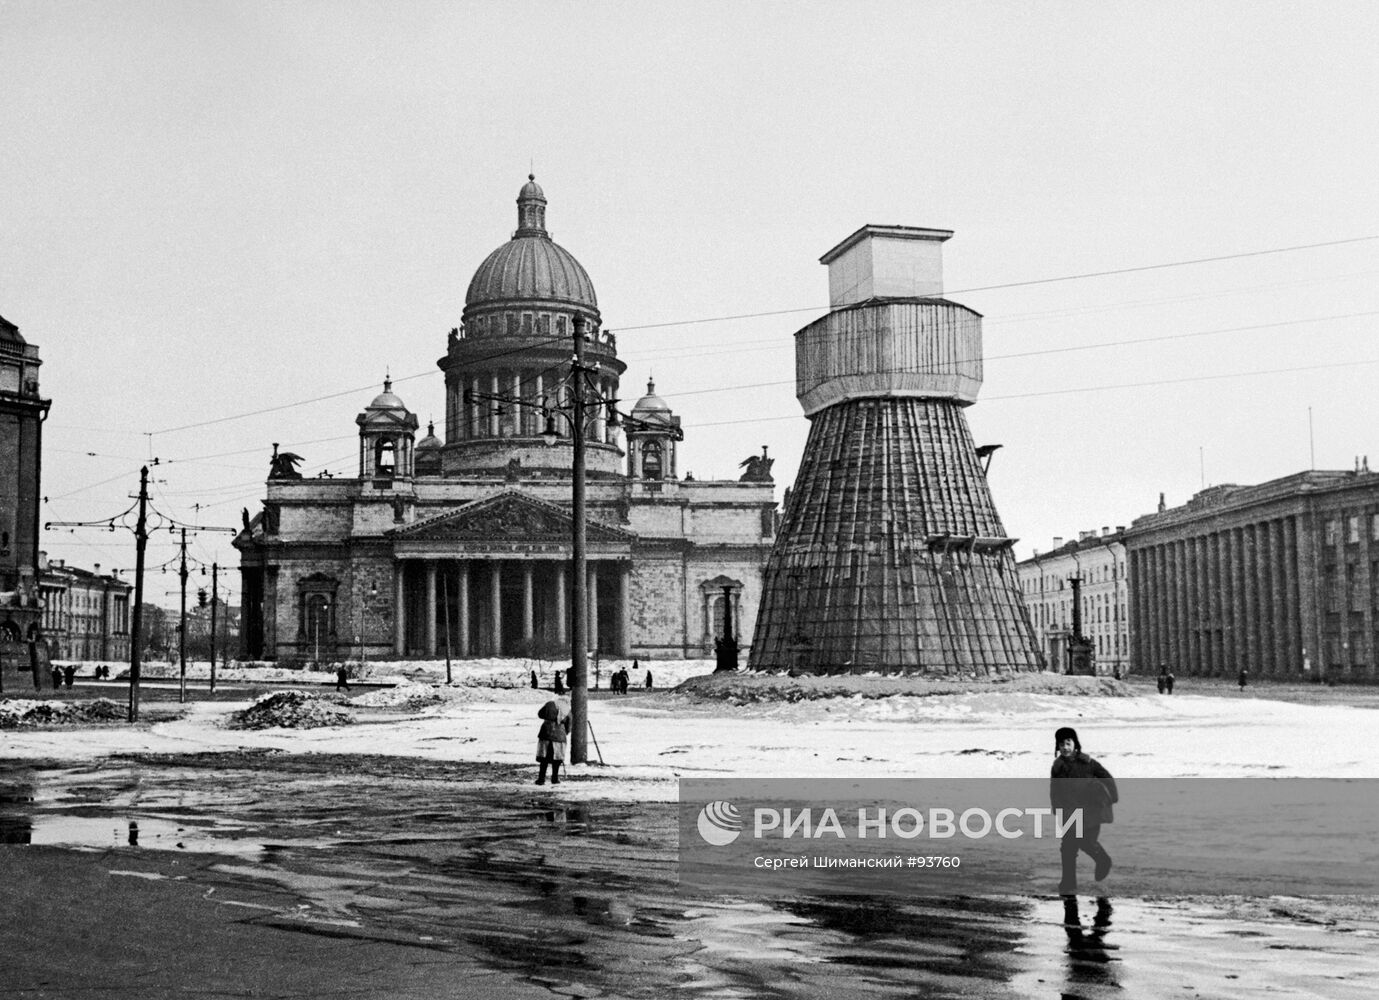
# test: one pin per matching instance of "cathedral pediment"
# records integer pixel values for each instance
(508, 517)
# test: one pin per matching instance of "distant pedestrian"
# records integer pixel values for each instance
(550, 739)
(1168, 681)
(69, 674)
(534, 682)
(648, 679)
(342, 678)
(1163, 678)
(570, 677)
(1079, 782)
(57, 676)
(559, 686)
(1244, 678)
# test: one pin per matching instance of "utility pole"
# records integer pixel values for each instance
(136, 639)
(215, 596)
(182, 629)
(579, 626)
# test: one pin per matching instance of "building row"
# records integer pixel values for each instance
(85, 614)
(1279, 579)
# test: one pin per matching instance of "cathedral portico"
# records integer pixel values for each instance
(483, 605)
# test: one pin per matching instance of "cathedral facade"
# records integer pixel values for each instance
(462, 546)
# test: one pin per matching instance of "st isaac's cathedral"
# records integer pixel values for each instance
(464, 545)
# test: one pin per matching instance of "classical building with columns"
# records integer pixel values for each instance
(463, 545)
(1280, 579)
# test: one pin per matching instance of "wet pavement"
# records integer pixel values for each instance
(509, 890)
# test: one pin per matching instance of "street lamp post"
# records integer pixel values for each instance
(580, 405)
(579, 662)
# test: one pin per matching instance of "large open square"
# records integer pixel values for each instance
(409, 852)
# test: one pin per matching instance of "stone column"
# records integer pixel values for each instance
(1279, 571)
(430, 617)
(1159, 596)
(1135, 626)
(495, 428)
(400, 607)
(1309, 601)
(562, 616)
(527, 616)
(462, 600)
(624, 608)
(1236, 658)
(496, 607)
(593, 606)
(1178, 612)
(1264, 645)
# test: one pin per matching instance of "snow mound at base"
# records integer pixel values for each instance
(742, 689)
(290, 710)
(407, 694)
(28, 712)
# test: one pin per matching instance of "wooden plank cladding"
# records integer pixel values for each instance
(891, 556)
(925, 348)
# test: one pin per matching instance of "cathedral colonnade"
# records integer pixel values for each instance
(470, 607)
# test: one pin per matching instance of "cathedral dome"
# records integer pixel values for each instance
(387, 399)
(531, 265)
(430, 442)
(651, 406)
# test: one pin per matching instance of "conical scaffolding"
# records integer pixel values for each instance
(890, 556)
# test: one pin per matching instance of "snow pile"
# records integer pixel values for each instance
(744, 689)
(408, 694)
(26, 712)
(290, 710)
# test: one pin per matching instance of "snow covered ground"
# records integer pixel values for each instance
(649, 739)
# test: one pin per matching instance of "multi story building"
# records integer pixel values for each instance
(1280, 579)
(22, 412)
(85, 613)
(464, 545)
(1098, 561)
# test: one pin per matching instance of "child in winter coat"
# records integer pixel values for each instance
(550, 741)
(1079, 782)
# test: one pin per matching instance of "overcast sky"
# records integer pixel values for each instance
(212, 209)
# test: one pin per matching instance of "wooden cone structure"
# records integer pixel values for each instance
(890, 556)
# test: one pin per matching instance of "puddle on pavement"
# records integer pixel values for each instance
(581, 898)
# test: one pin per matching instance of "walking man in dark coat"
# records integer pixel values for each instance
(1079, 782)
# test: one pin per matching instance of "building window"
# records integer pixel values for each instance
(1332, 532)
(1374, 527)
(1352, 533)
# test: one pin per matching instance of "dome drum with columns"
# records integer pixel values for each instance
(461, 542)
(516, 340)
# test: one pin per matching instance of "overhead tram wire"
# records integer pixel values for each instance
(1096, 388)
(782, 382)
(1024, 284)
(778, 312)
(989, 321)
(932, 369)
(347, 392)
